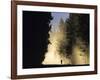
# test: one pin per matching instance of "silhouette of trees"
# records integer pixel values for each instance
(63, 40)
(77, 27)
(35, 37)
(36, 29)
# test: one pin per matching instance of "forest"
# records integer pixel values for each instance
(45, 48)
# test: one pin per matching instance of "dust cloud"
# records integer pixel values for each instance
(56, 49)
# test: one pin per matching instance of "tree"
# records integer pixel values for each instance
(35, 37)
(63, 40)
(77, 27)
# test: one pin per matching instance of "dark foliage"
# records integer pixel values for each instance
(77, 27)
(35, 37)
